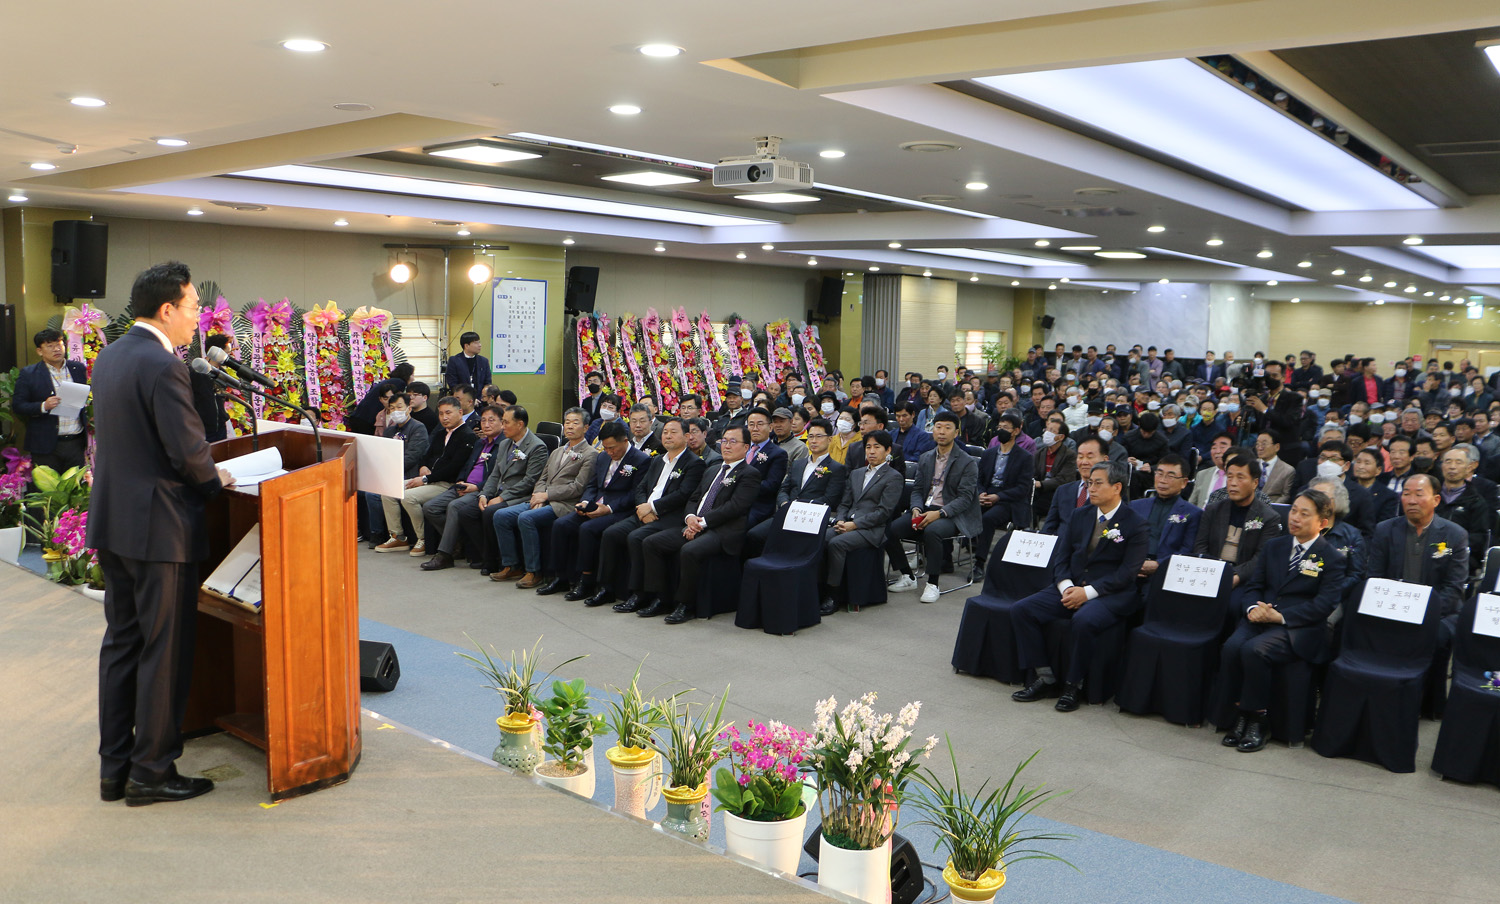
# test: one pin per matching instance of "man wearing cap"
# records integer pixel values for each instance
(781, 432)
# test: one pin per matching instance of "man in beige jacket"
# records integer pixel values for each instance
(518, 528)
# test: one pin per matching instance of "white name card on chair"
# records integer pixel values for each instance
(1194, 576)
(1026, 548)
(806, 517)
(1487, 615)
(1396, 600)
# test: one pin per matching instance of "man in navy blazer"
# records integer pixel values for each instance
(769, 460)
(59, 444)
(1094, 565)
(1444, 544)
(1006, 501)
(1171, 521)
(468, 368)
(1091, 451)
(607, 498)
(1208, 371)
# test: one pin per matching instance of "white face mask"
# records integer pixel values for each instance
(1260, 360)
(1153, 405)
(607, 414)
(747, 394)
(1355, 419)
(1048, 437)
(1106, 435)
(1329, 469)
(396, 417)
(1093, 420)
(844, 427)
(1229, 407)
(826, 407)
(942, 375)
(1322, 402)
(1392, 416)
(880, 381)
(1169, 422)
(1400, 371)
(797, 399)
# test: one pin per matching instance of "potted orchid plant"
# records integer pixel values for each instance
(862, 764)
(516, 681)
(760, 793)
(12, 512)
(688, 752)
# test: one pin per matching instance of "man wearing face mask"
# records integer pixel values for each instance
(594, 382)
(1333, 462)
(609, 411)
(1177, 435)
(910, 391)
(1398, 388)
(882, 390)
(1463, 504)
(941, 384)
(971, 423)
(1005, 484)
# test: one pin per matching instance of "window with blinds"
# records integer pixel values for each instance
(968, 346)
(421, 339)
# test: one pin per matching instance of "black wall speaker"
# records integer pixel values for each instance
(831, 296)
(379, 670)
(906, 866)
(80, 250)
(1047, 321)
(7, 337)
(583, 282)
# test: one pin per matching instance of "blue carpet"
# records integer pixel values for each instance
(440, 695)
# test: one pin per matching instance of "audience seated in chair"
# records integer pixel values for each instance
(871, 497)
(447, 449)
(1236, 527)
(519, 527)
(816, 478)
(944, 505)
(769, 460)
(607, 499)
(1171, 521)
(1005, 487)
(413, 436)
(1075, 494)
(473, 476)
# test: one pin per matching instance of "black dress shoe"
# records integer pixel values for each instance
(633, 603)
(655, 608)
(484, 572)
(679, 615)
(602, 597)
(477, 566)
(1255, 736)
(1035, 689)
(438, 562)
(112, 789)
(174, 788)
(581, 591)
(828, 607)
(976, 574)
(556, 585)
(1069, 699)
(1238, 731)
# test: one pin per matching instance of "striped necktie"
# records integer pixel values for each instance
(1297, 552)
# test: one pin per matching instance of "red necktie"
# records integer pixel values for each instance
(1083, 494)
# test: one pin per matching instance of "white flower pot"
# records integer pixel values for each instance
(581, 784)
(865, 875)
(11, 541)
(637, 784)
(91, 593)
(774, 845)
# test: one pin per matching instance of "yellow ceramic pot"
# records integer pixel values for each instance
(984, 889)
(630, 757)
(676, 795)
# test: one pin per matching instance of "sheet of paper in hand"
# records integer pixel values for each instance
(806, 517)
(251, 469)
(1396, 600)
(1487, 615)
(1195, 576)
(1026, 548)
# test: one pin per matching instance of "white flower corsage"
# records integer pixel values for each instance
(1113, 534)
(1177, 519)
(760, 456)
(729, 481)
(1312, 567)
(1442, 551)
(627, 470)
(1254, 524)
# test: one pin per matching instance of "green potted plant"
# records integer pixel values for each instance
(55, 493)
(516, 681)
(634, 719)
(568, 737)
(688, 752)
(760, 793)
(12, 516)
(980, 831)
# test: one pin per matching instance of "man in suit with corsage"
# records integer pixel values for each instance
(871, 498)
(606, 500)
(1236, 527)
(817, 479)
(1172, 521)
(1423, 548)
(769, 460)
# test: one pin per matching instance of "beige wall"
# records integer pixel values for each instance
(981, 307)
(1332, 330)
(929, 309)
(631, 283)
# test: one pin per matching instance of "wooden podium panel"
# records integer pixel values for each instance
(287, 678)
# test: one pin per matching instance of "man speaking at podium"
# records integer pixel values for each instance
(152, 476)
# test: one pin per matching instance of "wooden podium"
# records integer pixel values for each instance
(286, 679)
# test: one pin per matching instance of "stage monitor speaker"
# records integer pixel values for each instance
(906, 866)
(831, 297)
(1047, 321)
(79, 254)
(379, 670)
(583, 282)
(7, 337)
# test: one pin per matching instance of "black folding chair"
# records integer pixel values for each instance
(1468, 746)
(986, 643)
(1172, 657)
(780, 593)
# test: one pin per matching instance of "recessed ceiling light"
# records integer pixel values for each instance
(18, 197)
(1041, 243)
(1272, 282)
(1163, 280)
(1412, 240)
(353, 107)
(1120, 255)
(831, 154)
(1156, 229)
(1379, 301)
(624, 109)
(1015, 282)
(1053, 286)
(768, 247)
(479, 151)
(974, 278)
(341, 222)
(874, 269)
(44, 166)
(1458, 301)
(812, 262)
(660, 247)
(1444, 297)
(1065, 279)
(464, 231)
(1410, 289)
(778, 197)
(894, 245)
(928, 147)
(1304, 264)
(304, 45)
(1264, 254)
(194, 212)
(1390, 284)
(740, 256)
(1296, 301)
(86, 102)
(1428, 294)
(660, 50)
(926, 272)
(976, 186)
(172, 142)
(1366, 278)
(568, 240)
(1214, 243)
(650, 179)
(1337, 272)
(1079, 248)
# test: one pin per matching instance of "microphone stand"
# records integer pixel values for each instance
(224, 399)
(247, 386)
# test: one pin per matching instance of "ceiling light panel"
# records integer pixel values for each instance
(1467, 257)
(1181, 109)
(485, 194)
(778, 197)
(1000, 257)
(650, 179)
(480, 152)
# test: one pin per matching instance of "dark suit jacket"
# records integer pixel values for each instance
(619, 490)
(1014, 488)
(1357, 390)
(912, 443)
(1112, 566)
(1387, 504)
(825, 488)
(1207, 373)
(33, 387)
(1064, 501)
(1445, 574)
(731, 506)
(463, 371)
(960, 488)
(590, 404)
(369, 406)
(1213, 529)
(210, 409)
(771, 463)
(871, 508)
(446, 454)
(1177, 536)
(651, 446)
(686, 475)
(152, 468)
(1305, 601)
(1471, 512)
(472, 459)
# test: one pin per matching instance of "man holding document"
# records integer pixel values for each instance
(153, 476)
(50, 396)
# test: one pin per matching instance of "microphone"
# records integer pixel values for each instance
(221, 358)
(201, 366)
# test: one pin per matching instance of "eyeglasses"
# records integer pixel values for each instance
(726, 441)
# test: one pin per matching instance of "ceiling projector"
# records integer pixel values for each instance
(766, 170)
